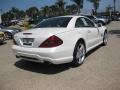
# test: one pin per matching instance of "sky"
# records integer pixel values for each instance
(6, 5)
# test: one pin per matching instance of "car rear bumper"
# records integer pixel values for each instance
(41, 55)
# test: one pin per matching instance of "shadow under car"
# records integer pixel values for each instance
(46, 68)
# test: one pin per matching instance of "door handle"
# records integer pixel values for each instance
(89, 31)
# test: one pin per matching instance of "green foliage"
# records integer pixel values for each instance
(14, 13)
(32, 12)
(46, 11)
(79, 4)
(57, 9)
(54, 10)
(61, 7)
(71, 9)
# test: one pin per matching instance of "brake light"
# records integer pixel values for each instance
(27, 33)
(15, 42)
(52, 41)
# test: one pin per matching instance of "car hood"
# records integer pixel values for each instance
(102, 19)
(7, 30)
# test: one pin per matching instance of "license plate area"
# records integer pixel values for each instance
(27, 41)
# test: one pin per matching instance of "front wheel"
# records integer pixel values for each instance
(105, 39)
(8, 35)
(79, 54)
(1, 39)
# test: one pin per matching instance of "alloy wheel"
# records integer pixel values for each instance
(79, 54)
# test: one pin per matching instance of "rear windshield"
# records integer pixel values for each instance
(54, 22)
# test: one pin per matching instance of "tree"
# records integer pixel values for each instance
(32, 12)
(79, 4)
(46, 11)
(21, 14)
(114, 1)
(5, 16)
(95, 4)
(61, 4)
(14, 12)
(71, 9)
(54, 10)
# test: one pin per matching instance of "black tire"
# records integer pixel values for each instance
(8, 35)
(79, 54)
(105, 39)
(2, 39)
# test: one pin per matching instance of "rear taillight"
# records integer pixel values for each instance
(52, 41)
(27, 33)
(15, 42)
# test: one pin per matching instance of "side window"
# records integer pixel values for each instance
(89, 23)
(79, 23)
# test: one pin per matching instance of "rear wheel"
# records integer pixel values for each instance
(79, 54)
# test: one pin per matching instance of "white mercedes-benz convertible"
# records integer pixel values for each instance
(59, 40)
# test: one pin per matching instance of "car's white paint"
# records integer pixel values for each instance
(93, 36)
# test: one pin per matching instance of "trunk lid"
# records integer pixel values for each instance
(35, 37)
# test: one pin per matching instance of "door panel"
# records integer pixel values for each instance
(87, 28)
(93, 32)
(92, 36)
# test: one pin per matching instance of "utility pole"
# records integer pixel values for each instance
(0, 16)
(110, 11)
(114, 1)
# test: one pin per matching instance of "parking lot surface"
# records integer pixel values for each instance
(101, 70)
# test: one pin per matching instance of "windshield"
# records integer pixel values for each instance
(101, 17)
(54, 22)
(90, 17)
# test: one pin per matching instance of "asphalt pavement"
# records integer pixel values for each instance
(101, 70)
